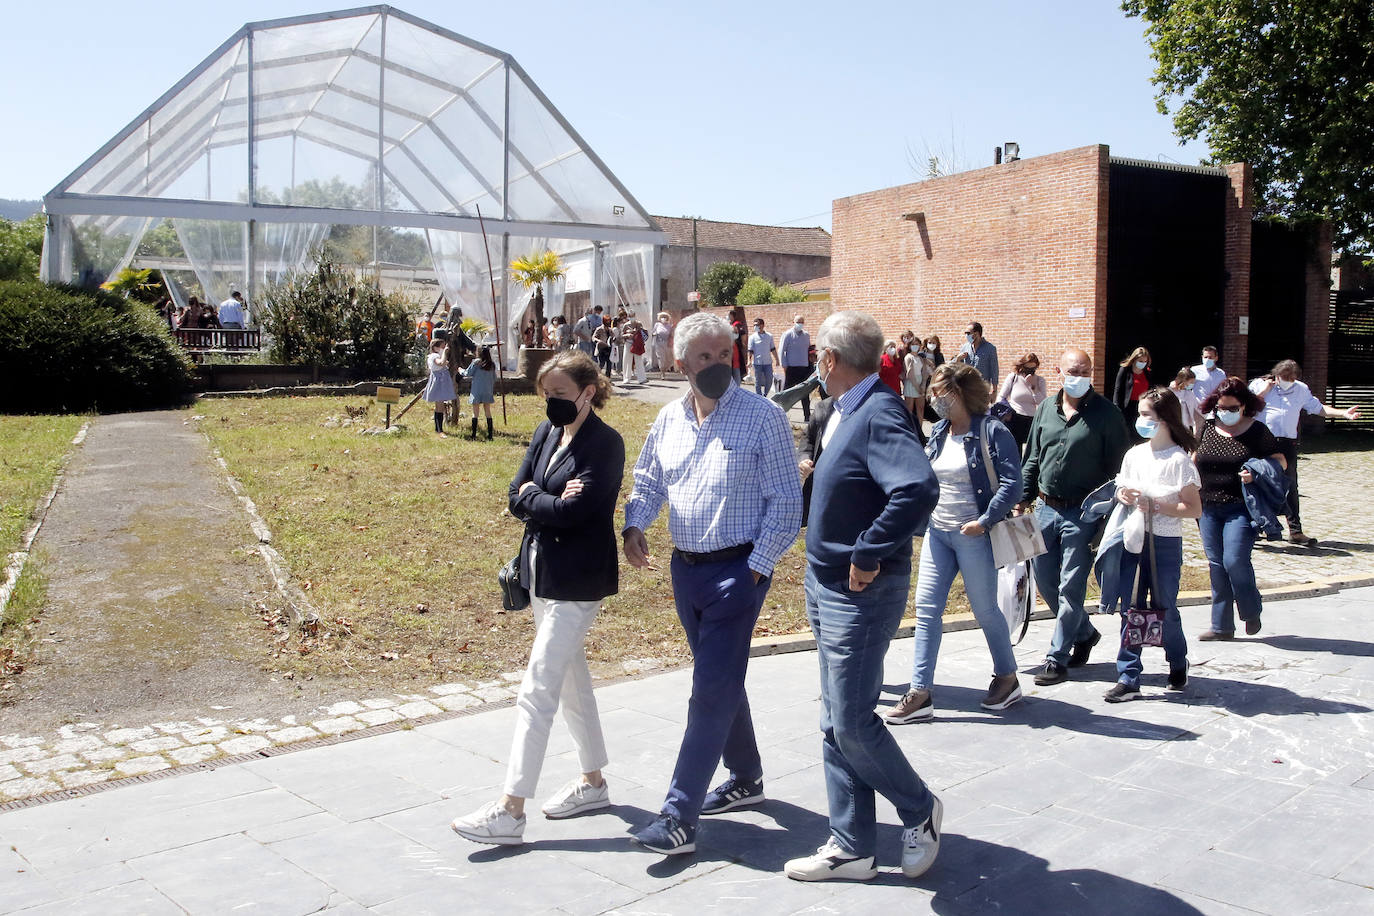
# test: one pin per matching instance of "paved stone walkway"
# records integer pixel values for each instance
(1251, 792)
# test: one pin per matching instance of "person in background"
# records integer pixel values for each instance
(565, 492)
(529, 334)
(1228, 442)
(618, 326)
(231, 312)
(208, 316)
(1184, 388)
(957, 542)
(190, 316)
(739, 359)
(1285, 400)
(439, 389)
(722, 459)
(890, 368)
(1132, 380)
(1207, 374)
(1075, 445)
(979, 353)
(1159, 476)
(915, 375)
(933, 351)
(794, 352)
(662, 344)
(482, 373)
(1023, 390)
(584, 330)
(634, 347)
(168, 310)
(761, 356)
(603, 337)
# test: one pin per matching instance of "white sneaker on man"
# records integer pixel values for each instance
(921, 844)
(492, 824)
(575, 798)
(831, 862)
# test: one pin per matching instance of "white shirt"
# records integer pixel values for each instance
(957, 504)
(1207, 381)
(230, 312)
(1283, 409)
(1159, 475)
(761, 345)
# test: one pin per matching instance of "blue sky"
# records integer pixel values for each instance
(751, 111)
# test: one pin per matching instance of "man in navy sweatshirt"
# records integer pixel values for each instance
(872, 491)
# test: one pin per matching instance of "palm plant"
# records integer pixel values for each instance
(534, 270)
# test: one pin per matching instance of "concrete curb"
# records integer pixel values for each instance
(14, 568)
(953, 623)
(297, 605)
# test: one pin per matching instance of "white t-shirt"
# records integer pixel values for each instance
(1207, 381)
(1159, 475)
(1283, 409)
(957, 504)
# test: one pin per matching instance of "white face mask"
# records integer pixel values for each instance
(1140, 364)
(1209, 363)
(1284, 385)
(799, 327)
(891, 351)
(1077, 385)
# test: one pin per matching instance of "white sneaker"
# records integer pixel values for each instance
(493, 824)
(830, 862)
(921, 844)
(576, 797)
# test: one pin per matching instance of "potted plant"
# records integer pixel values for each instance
(532, 272)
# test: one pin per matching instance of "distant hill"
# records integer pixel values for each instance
(19, 210)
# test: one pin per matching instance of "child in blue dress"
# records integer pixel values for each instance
(439, 391)
(482, 372)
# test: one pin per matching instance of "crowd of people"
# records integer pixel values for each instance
(1209, 448)
(232, 313)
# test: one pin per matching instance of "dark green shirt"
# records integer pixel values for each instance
(1068, 459)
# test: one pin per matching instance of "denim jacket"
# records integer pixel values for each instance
(1265, 497)
(994, 507)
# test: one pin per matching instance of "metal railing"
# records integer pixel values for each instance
(226, 340)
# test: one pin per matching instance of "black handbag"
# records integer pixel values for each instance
(514, 595)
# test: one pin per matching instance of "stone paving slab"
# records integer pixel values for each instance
(1251, 792)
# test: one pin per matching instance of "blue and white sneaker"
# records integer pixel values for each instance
(921, 844)
(667, 835)
(733, 793)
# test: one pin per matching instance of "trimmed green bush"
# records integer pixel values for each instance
(720, 283)
(64, 349)
(755, 291)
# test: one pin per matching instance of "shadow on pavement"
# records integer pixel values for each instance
(1246, 698)
(631, 815)
(1319, 644)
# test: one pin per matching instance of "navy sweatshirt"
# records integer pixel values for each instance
(872, 490)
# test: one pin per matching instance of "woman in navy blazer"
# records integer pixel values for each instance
(565, 492)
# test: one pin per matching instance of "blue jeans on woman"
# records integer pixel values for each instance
(1169, 567)
(944, 553)
(860, 756)
(1227, 539)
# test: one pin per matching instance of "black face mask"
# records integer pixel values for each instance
(713, 381)
(561, 411)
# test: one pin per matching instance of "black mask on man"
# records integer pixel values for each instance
(713, 381)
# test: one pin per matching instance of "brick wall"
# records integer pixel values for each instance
(1021, 247)
(676, 265)
(1240, 212)
(1317, 327)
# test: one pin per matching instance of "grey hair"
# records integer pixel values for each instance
(856, 339)
(700, 324)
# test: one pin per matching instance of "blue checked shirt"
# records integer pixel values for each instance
(730, 480)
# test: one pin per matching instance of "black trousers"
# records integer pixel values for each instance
(1289, 449)
(795, 375)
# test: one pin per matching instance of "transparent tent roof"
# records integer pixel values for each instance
(368, 116)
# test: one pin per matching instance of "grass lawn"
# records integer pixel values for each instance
(398, 539)
(31, 451)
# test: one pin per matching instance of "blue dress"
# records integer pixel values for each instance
(483, 383)
(440, 387)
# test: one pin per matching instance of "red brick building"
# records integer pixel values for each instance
(1085, 249)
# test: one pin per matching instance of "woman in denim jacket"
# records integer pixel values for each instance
(957, 540)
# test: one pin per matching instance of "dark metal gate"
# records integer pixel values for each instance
(1350, 372)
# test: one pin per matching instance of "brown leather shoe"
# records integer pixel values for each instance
(1295, 536)
(916, 705)
(1214, 636)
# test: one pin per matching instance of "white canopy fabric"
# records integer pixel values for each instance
(363, 117)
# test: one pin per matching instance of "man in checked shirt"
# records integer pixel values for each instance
(722, 459)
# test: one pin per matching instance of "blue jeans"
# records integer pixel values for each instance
(861, 758)
(1169, 566)
(944, 553)
(1061, 576)
(718, 604)
(1227, 539)
(763, 379)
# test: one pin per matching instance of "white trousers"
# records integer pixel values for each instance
(635, 368)
(557, 671)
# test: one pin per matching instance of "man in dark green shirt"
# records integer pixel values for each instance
(1076, 444)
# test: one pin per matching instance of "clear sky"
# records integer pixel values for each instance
(759, 112)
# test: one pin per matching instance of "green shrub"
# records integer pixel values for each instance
(21, 248)
(330, 317)
(720, 284)
(755, 291)
(788, 293)
(65, 349)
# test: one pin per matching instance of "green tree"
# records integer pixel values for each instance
(788, 293)
(534, 270)
(755, 291)
(21, 248)
(1285, 86)
(721, 283)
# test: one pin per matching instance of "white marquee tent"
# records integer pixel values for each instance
(365, 117)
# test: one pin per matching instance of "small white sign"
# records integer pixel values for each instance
(694, 296)
(1244, 325)
(1078, 312)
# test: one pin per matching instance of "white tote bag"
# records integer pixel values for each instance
(1016, 598)
(1016, 538)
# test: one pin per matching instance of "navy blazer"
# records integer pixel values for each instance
(578, 557)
